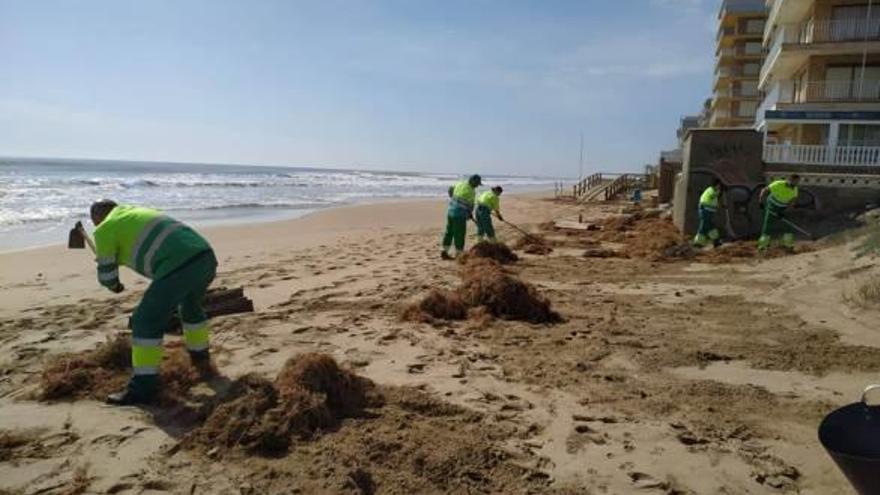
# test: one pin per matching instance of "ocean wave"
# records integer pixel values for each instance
(88, 182)
(138, 183)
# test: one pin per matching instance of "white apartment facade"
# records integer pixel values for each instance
(821, 84)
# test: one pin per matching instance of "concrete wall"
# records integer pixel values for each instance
(734, 155)
(666, 181)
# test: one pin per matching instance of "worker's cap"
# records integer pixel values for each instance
(476, 180)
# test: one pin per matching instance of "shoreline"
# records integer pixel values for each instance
(51, 274)
(207, 224)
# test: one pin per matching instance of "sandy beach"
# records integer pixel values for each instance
(666, 375)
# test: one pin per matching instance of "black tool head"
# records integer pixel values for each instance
(75, 239)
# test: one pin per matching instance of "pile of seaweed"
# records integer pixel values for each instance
(311, 394)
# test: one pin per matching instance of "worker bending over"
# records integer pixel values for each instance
(489, 202)
(462, 197)
(776, 198)
(707, 209)
(181, 265)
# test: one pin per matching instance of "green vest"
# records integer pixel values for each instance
(709, 199)
(461, 204)
(781, 194)
(146, 241)
(490, 200)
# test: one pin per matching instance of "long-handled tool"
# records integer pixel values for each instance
(78, 238)
(799, 229)
(523, 232)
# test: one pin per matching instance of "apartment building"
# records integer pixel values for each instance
(821, 80)
(738, 54)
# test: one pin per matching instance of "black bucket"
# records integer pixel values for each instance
(851, 435)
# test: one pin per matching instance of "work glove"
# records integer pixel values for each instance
(119, 288)
(500, 217)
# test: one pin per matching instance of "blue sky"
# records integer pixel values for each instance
(446, 85)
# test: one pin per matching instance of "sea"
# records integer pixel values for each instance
(41, 199)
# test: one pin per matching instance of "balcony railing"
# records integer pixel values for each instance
(725, 31)
(829, 91)
(749, 51)
(720, 113)
(805, 154)
(783, 35)
(774, 6)
(727, 52)
(737, 71)
(839, 31)
(753, 30)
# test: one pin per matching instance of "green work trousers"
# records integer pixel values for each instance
(773, 225)
(706, 231)
(456, 228)
(184, 289)
(484, 223)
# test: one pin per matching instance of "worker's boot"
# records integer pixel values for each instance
(124, 398)
(445, 255)
(201, 361)
(788, 242)
(763, 243)
(141, 389)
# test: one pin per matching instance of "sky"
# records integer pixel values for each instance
(495, 86)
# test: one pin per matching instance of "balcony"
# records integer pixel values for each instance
(720, 113)
(733, 71)
(839, 31)
(725, 31)
(806, 154)
(727, 52)
(749, 51)
(740, 51)
(843, 91)
(820, 37)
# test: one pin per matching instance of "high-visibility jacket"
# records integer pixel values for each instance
(709, 199)
(489, 200)
(781, 194)
(461, 201)
(144, 240)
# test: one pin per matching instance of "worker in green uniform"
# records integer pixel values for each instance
(487, 203)
(462, 197)
(707, 209)
(776, 198)
(181, 265)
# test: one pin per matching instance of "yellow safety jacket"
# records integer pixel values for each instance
(144, 240)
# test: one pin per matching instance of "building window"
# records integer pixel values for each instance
(753, 48)
(859, 135)
(755, 26)
(747, 108)
(748, 88)
(751, 69)
(850, 82)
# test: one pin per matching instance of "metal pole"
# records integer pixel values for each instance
(865, 50)
(581, 160)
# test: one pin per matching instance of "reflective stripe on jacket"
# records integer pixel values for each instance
(144, 240)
